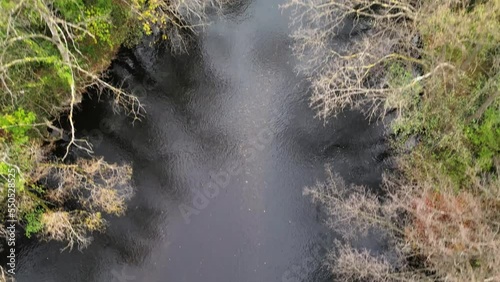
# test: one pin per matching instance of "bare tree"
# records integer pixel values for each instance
(36, 38)
(454, 235)
(64, 36)
(353, 52)
(173, 18)
(97, 187)
(177, 20)
(369, 55)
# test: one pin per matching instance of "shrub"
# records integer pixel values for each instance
(437, 65)
(454, 236)
(52, 51)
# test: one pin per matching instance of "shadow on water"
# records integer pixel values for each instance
(220, 161)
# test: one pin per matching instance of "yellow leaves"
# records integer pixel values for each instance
(153, 4)
(69, 227)
(56, 225)
(10, 119)
(109, 201)
(95, 222)
(147, 28)
(97, 186)
(156, 14)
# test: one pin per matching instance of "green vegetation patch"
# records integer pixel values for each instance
(457, 119)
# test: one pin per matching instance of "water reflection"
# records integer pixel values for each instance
(207, 112)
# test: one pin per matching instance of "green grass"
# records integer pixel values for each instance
(459, 134)
(37, 89)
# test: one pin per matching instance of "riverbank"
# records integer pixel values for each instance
(434, 66)
(52, 54)
(231, 105)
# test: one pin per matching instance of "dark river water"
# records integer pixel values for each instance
(220, 161)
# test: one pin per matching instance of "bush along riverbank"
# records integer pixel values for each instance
(434, 67)
(52, 52)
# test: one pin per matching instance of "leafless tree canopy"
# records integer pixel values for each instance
(346, 47)
(178, 20)
(454, 235)
(64, 36)
(67, 199)
(97, 187)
